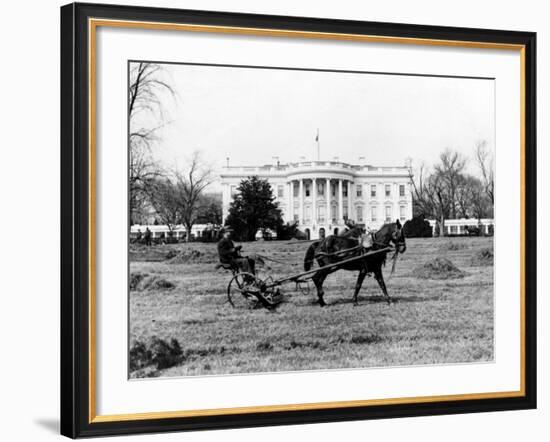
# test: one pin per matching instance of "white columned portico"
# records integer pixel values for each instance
(301, 199)
(328, 209)
(350, 216)
(340, 214)
(314, 200)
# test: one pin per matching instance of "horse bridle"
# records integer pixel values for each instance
(394, 238)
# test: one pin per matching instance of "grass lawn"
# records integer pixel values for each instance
(433, 321)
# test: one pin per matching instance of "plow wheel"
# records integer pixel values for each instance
(243, 290)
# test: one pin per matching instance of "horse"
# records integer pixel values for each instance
(334, 249)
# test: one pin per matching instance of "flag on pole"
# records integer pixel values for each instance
(318, 146)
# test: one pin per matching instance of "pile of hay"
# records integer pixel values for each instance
(194, 256)
(484, 257)
(171, 254)
(143, 281)
(156, 352)
(438, 268)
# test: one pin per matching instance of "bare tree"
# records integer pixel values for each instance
(164, 198)
(470, 198)
(449, 170)
(438, 194)
(422, 202)
(210, 209)
(448, 192)
(191, 185)
(485, 161)
(142, 174)
(145, 112)
(145, 89)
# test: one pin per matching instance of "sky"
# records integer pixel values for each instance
(252, 115)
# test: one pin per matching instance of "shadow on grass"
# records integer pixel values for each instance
(377, 300)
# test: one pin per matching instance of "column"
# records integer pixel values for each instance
(328, 211)
(301, 199)
(350, 215)
(314, 199)
(340, 214)
(290, 199)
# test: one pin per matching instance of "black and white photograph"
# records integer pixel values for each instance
(285, 219)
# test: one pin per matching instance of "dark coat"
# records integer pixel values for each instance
(227, 251)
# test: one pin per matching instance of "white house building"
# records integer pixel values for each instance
(322, 195)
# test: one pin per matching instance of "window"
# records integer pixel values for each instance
(359, 214)
(345, 191)
(388, 213)
(295, 190)
(359, 190)
(307, 189)
(333, 214)
(388, 190)
(373, 191)
(402, 213)
(321, 214)
(233, 190)
(453, 230)
(280, 191)
(401, 190)
(345, 213)
(320, 189)
(333, 187)
(373, 214)
(308, 214)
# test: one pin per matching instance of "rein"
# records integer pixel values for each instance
(394, 256)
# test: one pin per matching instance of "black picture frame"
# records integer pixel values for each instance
(75, 220)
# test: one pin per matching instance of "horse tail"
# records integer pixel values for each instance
(310, 256)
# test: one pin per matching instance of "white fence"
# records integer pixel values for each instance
(458, 226)
(179, 231)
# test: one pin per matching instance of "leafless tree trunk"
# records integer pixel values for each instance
(439, 195)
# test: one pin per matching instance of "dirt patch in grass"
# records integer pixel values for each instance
(201, 352)
(142, 253)
(306, 344)
(452, 246)
(193, 256)
(264, 346)
(143, 281)
(484, 257)
(366, 339)
(438, 268)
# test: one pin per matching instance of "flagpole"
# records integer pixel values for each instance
(318, 146)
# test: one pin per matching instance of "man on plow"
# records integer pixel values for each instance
(231, 255)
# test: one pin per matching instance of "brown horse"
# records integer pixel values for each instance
(355, 242)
